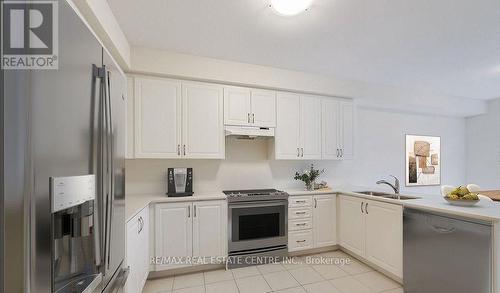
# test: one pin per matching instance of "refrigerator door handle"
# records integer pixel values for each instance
(97, 201)
(109, 164)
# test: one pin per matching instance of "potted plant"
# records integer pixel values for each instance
(309, 176)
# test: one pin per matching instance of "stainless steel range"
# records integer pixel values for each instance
(257, 226)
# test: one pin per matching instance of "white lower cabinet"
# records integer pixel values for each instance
(373, 230)
(190, 229)
(352, 224)
(173, 233)
(312, 221)
(137, 251)
(324, 220)
(384, 236)
(209, 229)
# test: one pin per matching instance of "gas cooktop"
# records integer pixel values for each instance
(255, 194)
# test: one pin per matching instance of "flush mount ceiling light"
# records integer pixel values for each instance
(290, 7)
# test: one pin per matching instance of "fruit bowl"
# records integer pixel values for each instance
(462, 202)
(464, 196)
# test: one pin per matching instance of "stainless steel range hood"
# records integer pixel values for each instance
(248, 132)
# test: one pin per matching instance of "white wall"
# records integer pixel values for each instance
(381, 152)
(483, 148)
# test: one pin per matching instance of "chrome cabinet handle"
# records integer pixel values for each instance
(141, 225)
(300, 201)
(298, 152)
(315, 203)
(341, 153)
(178, 149)
(338, 153)
(442, 230)
(253, 118)
(302, 152)
(248, 117)
(366, 208)
(362, 208)
(300, 224)
(184, 149)
(300, 241)
(300, 213)
(189, 211)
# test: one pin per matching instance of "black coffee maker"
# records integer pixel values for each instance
(179, 182)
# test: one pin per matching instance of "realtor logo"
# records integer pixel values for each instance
(29, 35)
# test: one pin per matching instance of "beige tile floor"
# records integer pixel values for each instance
(355, 277)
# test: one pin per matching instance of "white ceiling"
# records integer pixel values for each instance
(447, 46)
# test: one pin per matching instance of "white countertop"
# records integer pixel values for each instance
(484, 210)
(134, 203)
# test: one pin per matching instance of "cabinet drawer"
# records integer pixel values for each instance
(299, 213)
(299, 240)
(299, 224)
(299, 201)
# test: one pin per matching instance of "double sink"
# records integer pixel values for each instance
(387, 195)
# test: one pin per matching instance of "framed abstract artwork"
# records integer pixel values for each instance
(423, 160)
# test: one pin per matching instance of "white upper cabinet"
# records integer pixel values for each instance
(263, 108)
(249, 107)
(129, 118)
(203, 121)
(347, 114)
(157, 118)
(175, 119)
(338, 118)
(237, 106)
(181, 119)
(330, 128)
(287, 137)
(298, 130)
(310, 123)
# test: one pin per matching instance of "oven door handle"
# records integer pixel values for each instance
(258, 205)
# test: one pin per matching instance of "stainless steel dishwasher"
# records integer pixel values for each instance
(446, 254)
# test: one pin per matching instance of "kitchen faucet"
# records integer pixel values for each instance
(394, 186)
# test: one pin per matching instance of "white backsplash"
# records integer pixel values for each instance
(381, 153)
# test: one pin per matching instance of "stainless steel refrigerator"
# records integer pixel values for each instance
(68, 122)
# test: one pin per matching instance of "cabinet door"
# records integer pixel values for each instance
(324, 220)
(352, 224)
(347, 113)
(287, 137)
(173, 232)
(157, 118)
(330, 110)
(384, 236)
(263, 108)
(129, 119)
(133, 280)
(237, 106)
(203, 121)
(144, 245)
(209, 228)
(310, 130)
